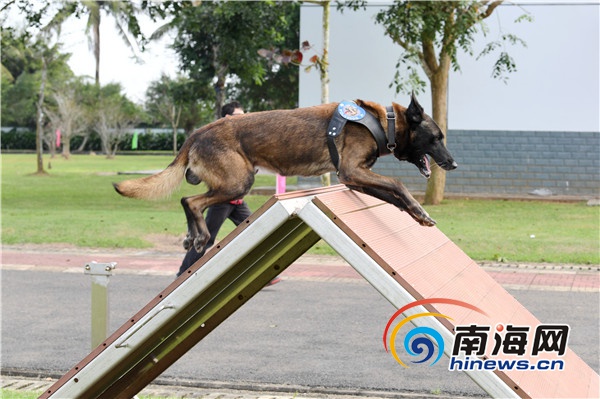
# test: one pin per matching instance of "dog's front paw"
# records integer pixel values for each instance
(422, 217)
(427, 221)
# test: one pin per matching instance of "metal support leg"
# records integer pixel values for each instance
(100, 273)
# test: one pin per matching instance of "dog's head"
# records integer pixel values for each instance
(420, 139)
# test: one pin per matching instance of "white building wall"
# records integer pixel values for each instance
(556, 86)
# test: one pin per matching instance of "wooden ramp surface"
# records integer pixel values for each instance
(402, 260)
(426, 264)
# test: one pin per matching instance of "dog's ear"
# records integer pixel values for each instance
(414, 112)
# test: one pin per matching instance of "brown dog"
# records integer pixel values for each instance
(225, 155)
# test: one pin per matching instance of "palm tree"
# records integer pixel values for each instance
(123, 12)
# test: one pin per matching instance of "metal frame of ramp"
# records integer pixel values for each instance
(402, 260)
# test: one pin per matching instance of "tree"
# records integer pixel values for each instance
(67, 113)
(163, 99)
(20, 78)
(431, 33)
(48, 56)
(123, 13)
(279, 88)
(33, 11)
(115, 116)
(198, 100)
(31, 65)
(179, 102)
(39, 115)
(218, 41)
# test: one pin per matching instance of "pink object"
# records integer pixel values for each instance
(57, 138)
(280, 185)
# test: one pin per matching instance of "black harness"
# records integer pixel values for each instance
(348, 111)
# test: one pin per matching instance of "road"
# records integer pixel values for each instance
(306, 334)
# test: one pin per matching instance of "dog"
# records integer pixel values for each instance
(225, 155)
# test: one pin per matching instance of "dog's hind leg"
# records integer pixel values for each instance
(194, 207)
(195, 224)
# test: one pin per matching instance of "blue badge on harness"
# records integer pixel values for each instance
(350, 111)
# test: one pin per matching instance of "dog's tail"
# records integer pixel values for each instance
(159, 185)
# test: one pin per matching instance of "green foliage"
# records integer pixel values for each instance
(220, 39)
(18, 140)
(280, 86)
(33, 11)
(148, 140)
(14, 394)
(21, 74)
(505, 63)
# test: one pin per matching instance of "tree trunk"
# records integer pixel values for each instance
(219, 96)
(66, 146)
(325, 58)
(51, 143)
(39, 141)
(112, 150)
(221, 73)
(174, 139)
(174, 125)
(434, 193)
(96, 39)
(325, 178)
(83, 142)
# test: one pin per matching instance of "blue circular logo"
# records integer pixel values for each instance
(350, 111)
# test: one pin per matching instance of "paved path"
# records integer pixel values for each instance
(576, 278)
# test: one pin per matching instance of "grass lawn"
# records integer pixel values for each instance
(12, 394)
(76, 204)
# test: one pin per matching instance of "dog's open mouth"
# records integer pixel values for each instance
(425, 167)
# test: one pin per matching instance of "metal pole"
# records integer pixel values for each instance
(100, 273)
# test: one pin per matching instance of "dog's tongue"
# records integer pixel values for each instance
(427, 166)
(427, 171)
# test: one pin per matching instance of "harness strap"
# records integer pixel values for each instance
(372, 123)
(336, 125)
(391, 122)
(385, 145)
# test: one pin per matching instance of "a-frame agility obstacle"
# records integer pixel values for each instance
(402, 260)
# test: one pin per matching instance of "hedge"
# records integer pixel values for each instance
(147, 141)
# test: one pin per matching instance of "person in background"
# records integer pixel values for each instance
(237, 210)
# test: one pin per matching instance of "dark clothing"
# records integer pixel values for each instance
(216, 215)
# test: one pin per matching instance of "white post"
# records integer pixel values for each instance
(100, 273)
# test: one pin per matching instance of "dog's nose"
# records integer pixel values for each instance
(454, 165)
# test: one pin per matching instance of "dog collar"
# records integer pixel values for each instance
(349, 111)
